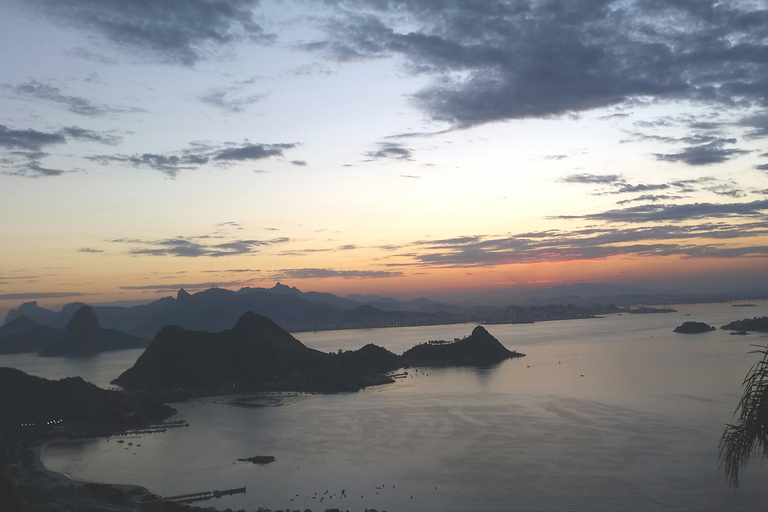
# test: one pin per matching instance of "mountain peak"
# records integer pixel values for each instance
(182, 294)
(82, 332)
(251, 322)
(281, 288)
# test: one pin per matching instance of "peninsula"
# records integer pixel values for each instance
(258, 355)
(748, 324)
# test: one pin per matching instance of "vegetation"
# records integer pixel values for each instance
(749, 436)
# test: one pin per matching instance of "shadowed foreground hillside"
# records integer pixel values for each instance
(44, 405)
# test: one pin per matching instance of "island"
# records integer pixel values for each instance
(477, 348)
(748, 324)
(258, 355)
(693, 328)
(258, 459)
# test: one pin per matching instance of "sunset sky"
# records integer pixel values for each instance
(416, 148)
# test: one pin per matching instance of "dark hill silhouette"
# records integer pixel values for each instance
(478, 348)
(255, 353)
(82, 336)
(35, 313)
(693, 328)
(748, 324)
(37, 400)
(25, 335)
(258, 354)
(20, 324)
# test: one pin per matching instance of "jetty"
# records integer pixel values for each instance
(206, 495)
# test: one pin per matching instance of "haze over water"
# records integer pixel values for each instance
(617, 413)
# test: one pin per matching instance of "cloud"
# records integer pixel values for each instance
(326, 273)
(391, 151)
(30, 140)
(195, 156)
(704, 154)
(40, 295)
(496, 60)
(252, 152)
(299, 163)
(75, 132)
(195, 247)
(593, 179)
(34, 90)
(657, 213)
(35, 170)
(618, 185)
(650, 197)
(168, 287)
(90, 250)
(170, 31)
(225, 99)
(590, 243)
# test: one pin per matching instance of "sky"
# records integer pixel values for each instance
(416, 148)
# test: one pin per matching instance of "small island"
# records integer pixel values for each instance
(693, 328)
(477, 348)
(258, 459)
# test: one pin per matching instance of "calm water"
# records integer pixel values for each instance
(617, 413)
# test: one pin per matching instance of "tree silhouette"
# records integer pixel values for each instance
(750, 435)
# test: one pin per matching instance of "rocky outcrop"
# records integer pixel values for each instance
(693, 328)
(478, 348)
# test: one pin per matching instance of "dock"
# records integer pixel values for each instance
(206, 495)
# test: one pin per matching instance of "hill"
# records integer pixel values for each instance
(37, 404)
(257, 354)
(478, 348)
(748, 324)
(81, 336)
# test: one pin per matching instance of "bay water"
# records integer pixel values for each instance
(604, 414)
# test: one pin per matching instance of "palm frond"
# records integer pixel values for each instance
(749, 436)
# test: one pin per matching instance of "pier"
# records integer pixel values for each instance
(206, 495)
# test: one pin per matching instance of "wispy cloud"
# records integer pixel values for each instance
(326, 273)
(195, 156)
(195, 247)
(39, 295)
(37, 91)
(677, 212)
(390, 150)
(686, 240)
(229, 99)
(713, 152)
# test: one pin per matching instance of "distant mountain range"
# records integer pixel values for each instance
(81, 336)
(217, 309)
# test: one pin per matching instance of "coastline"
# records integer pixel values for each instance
(61, 487)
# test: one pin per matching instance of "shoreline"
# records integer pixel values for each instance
(38, 476)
